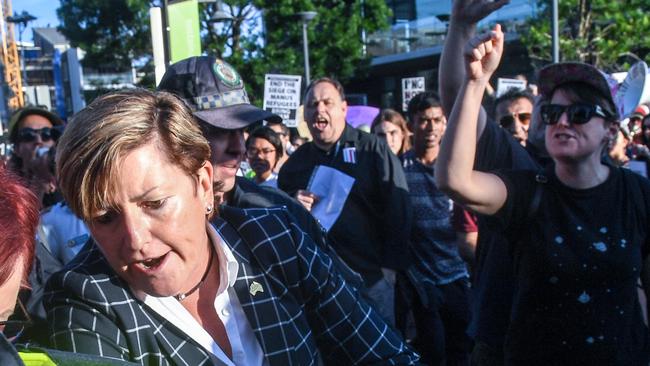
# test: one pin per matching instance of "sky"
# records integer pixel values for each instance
(43, 10)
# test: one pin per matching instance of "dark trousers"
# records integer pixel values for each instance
(486, 355)
(440, 325)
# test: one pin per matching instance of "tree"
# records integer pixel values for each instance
(255, 41)
(112, 33)
(334, 38)
(608, 34)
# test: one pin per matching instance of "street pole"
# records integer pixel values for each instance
(305, 52)
(556, 33)
(165, 27)
(306, 17)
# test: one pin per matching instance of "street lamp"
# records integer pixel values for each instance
(306, 17)
(22, 19)
(219, 15)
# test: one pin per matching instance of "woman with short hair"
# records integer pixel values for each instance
(158, 284)
(579, 229)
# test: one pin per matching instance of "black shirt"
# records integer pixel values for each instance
(577, 262)
(374, 226)
(493, 277)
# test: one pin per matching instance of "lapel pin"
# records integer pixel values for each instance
(255, 288)
(350, 155)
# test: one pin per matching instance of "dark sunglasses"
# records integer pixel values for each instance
(578, 114)
(46, 133)
(509, 120)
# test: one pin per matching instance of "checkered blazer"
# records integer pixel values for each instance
(306, 309)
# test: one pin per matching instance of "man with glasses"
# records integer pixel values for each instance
(513, 111)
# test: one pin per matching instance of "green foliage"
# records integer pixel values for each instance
(335, 47)
(117, 31)
(112, 33)
(611, 35)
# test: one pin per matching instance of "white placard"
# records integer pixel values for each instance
(410, 88)
(503, 85)
(282, 96)
(332, 187)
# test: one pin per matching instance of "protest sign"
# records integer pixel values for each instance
(410, 88)
(503, 85)
(282, 96)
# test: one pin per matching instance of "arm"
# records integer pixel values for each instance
(462, 26)
(481, 192)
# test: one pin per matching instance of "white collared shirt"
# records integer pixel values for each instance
(246, 350)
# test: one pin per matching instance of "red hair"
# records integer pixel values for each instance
(18, 220)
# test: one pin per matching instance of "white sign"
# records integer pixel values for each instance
(282, 96)
(503, 85)
(332, 187)
(410, 88)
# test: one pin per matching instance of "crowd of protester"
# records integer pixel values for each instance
(187, 226)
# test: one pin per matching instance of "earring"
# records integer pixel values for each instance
(208, 209)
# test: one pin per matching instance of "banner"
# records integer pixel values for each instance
(184, 33)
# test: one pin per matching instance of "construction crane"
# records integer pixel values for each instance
(9, 54)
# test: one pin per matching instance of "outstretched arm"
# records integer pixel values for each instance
(482, 192)
(462, 26)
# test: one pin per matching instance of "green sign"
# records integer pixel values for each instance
(184, 37)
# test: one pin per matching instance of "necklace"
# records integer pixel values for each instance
(183, 296)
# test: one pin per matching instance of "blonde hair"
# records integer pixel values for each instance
(96, 140)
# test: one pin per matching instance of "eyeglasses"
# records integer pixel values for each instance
(46, 133)
(509, 120)
(251, 153)
(13, 328)
(578, 114)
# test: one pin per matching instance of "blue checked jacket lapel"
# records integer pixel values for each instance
(142, 335)
(91, 311)
(266, 311)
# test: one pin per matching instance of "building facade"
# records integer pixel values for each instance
(411, 47)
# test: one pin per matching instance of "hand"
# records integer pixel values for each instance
(470, 12)
(483, 53)
(41, 175)
(306, 198)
